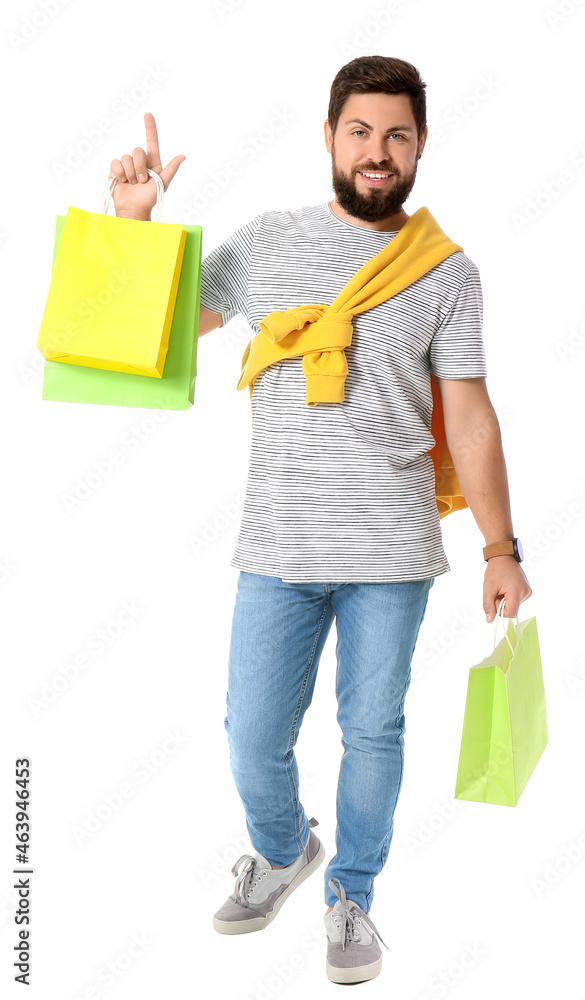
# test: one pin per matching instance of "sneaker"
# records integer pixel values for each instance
(353, 952)
(261, 890)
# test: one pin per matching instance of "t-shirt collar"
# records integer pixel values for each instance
(351, 225)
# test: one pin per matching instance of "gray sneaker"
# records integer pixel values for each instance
(353, 953)
(261, 890)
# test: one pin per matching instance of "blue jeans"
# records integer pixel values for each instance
(278, 633)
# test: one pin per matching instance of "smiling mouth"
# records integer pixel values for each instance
(377, 178)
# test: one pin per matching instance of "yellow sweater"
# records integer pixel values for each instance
(320, 333)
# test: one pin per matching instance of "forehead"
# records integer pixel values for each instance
(379, 108)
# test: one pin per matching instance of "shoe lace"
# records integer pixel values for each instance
(248, 874)
(352, 917)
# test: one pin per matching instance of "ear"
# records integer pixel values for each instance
(328, 135)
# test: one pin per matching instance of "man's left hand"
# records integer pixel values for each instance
(504, 577)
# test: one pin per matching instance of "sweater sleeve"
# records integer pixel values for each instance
(457, 348)
(225, 273)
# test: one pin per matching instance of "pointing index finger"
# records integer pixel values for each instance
(152, 150)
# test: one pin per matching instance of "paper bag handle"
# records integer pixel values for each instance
(160, 190)
(500, 617)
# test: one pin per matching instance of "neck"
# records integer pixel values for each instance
(391, 224)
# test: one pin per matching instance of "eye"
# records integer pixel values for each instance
(355, 132)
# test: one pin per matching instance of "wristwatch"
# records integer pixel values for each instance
(511, 547)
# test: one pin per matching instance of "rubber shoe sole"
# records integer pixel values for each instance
(360, 974)
(259, 923)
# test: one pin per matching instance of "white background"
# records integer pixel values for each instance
(153, 870)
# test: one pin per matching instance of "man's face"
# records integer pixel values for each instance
(376, 133)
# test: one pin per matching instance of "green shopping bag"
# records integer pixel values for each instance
(504, 727)
(175, 390)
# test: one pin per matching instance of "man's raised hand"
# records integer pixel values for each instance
(135, 192)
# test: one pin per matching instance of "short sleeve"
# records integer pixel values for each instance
(457, 349)
(225, 273)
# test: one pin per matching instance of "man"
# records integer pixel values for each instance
(345, 491)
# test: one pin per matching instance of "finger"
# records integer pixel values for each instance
(491, 605)
(510, 609)
(170, 170)
(152, 150)
(117, 170)
(129, 168)
(139, 157)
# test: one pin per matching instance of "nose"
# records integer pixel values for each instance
(378, 151)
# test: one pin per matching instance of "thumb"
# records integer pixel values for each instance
(490, 610)
(170, 170)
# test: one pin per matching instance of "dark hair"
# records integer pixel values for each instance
(378, 74)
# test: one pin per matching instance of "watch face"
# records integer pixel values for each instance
(519, 549)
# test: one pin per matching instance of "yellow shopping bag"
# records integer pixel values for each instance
(113, 289)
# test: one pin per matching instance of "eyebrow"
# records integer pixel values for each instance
(395, 128)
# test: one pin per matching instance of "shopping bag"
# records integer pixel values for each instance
(176, 389)
(112, 293)
(504, 726)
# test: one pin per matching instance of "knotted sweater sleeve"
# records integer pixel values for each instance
(225, 273)
(457, 348)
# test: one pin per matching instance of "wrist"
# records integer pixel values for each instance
(511, 547)
(139, 217)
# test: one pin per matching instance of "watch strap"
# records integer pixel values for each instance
(499, 549)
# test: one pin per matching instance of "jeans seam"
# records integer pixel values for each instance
(290, 749)
(400, 711)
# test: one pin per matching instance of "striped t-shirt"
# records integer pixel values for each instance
(344, 492)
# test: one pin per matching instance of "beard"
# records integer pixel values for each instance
(375, 204)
